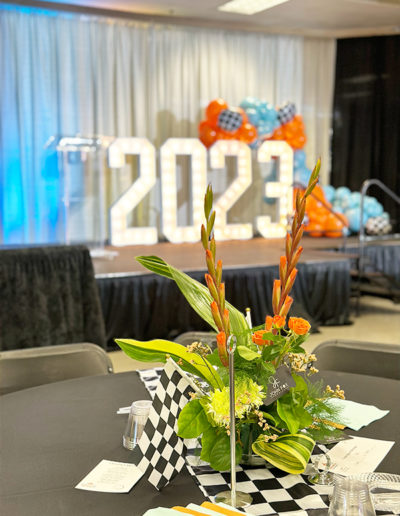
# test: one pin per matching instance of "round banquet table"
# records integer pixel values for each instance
(53, 435)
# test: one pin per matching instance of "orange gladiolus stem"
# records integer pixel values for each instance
(281, 301)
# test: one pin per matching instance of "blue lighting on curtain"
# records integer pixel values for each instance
(30, 183)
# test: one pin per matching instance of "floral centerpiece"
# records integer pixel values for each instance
(279, 412)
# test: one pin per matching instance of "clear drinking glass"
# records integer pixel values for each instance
(351, 498)
(136, 422)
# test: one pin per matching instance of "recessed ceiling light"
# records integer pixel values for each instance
(249, 6)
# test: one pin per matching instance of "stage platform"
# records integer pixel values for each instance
(142, 305)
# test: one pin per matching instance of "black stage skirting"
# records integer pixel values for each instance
(379, 258)
(150, 306)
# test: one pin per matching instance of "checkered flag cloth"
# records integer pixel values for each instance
(229, 120)
(160, 452)
(286, 112)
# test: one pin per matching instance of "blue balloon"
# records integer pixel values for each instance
(355, 199)
(342, 192)
(337, 208)
(265, 128)
(354, 216)
(267, 112)
(299, 159)
(329, 192)
(369, 203)
(375, 209)
(249, 102)
(302, 176)
(252, 113)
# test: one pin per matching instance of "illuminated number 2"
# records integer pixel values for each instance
(282, 189)
(218, 152)
(120, 234)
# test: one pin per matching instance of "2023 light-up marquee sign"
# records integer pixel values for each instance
(121, 234)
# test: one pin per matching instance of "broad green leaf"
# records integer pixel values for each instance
(301, 386)
(158, 351)
(192, 420)
(197, 295)
(207, 442)
(289, 452)
(286, 412)
(295, 416)
(247, 353)
(220, 452)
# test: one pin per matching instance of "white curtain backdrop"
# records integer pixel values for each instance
(63, 74)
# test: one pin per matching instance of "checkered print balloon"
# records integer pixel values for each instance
(286, 113)
(230, 120)
(378, 226)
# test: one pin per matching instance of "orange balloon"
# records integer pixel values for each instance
(314, 229)
(207, 134)
(334, 225)
(277, 134)
(247, 133)
(214, 108)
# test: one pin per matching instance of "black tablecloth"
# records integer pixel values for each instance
(53, 435)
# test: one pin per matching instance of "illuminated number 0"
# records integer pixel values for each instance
(218, 152)
(282, 189)
(168, 152)
(120, 234)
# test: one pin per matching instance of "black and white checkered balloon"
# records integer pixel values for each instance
(230, 120)
(378, 226)
(286, 112)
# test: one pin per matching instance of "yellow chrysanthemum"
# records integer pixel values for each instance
(248, 396)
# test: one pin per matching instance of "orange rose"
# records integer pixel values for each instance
(257, 338)
(279, 321)
(299, 326)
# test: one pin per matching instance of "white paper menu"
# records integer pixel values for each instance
(111, 477)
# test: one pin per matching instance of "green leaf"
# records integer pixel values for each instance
(247, 353)
(219, 452)
(270, 352)
(290, 452)
(268, 368)
(287, 413)
(197, 295)
(192, 420)
(270, 336)
(208, 200)
(157, 351)
(208, 440)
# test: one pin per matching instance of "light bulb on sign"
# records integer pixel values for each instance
(218, 153)
(282, 190)
(172, 148)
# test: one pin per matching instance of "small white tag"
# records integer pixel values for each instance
(111, 477)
